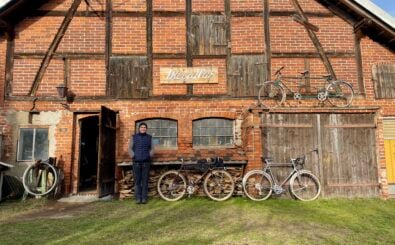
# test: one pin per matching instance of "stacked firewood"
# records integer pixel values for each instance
(126, 184)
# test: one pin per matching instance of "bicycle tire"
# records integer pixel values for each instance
(29, 188)
(219, 185)
(254, 182)
(340, 94)
(171, 186)
(271, 91)
(305, 186)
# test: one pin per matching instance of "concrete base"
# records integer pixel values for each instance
(84, 198)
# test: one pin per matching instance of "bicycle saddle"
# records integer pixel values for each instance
(304, 73)
(328, 76)
(267, 159)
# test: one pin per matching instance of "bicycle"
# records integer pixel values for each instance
(338, 93)
(258, 185)
(42, 178)
(218, 184)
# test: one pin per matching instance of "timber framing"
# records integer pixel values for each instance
(228, 16)
(108, 48)
(9, 66)
(268, 51)
(42, 13)
(54, 45)
(314, 38)
(188, 55)
(358, 60)
(150, 57)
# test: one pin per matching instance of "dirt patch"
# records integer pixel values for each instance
(54, 210)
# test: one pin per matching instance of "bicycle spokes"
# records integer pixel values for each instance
(340, 94)
(305, 186)
(219, 185)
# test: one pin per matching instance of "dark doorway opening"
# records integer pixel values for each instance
(89, 143)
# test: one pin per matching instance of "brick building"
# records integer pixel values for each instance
(129, 56)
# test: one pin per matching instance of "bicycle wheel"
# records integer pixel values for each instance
(219, 185)
(257, 185)
(305, 186)
(340, 94)
(40, 179)
(172, 186)
(270, 91)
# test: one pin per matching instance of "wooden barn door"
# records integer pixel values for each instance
(286, 136)
(349, 155)
(106, 158)
(346, 164)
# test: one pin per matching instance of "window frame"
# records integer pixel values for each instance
(34, 128)
(158, 146)
(233, 145)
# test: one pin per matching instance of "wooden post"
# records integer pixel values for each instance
(108, 49)
(9, 67)
(358, 59)
(268, 51)
(149, 44)
(314, 39)
(54, 45)
(228, 15)
(188, 13)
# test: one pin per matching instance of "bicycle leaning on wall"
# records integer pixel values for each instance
(337, 92)
(259, 185)
(218, 184)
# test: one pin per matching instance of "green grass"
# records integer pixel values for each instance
(200, 221)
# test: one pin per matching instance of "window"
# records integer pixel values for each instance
(163, 131)
(213, 132)
(33, 144)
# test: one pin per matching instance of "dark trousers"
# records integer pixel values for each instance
(141, 172)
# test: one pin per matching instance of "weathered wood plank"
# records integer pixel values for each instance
(190, 40)
(268, 51)
(54, 45)
(9, 66)
(149, 23)
(108, 48)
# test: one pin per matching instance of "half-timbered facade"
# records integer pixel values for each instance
(189, 68)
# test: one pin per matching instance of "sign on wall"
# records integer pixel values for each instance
(188, 75)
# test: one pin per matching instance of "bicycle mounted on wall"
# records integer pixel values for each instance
(337, 92)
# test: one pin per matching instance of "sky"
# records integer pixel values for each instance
(387, 5)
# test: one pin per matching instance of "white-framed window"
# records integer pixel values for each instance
(163, 131)
(32, 144)
(213, 132)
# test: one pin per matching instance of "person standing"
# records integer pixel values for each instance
(141, 150)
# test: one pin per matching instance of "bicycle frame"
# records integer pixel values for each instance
(268, 170)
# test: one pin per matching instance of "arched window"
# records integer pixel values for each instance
(213, 132)
(163, 131)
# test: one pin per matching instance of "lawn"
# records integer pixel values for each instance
(199, 221)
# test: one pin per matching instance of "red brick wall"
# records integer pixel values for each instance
(88, 77)
(246, 5)
(132, 5)
(168, 5)
(129, 35)
(208, 5)
(247, 34)
(169, 35)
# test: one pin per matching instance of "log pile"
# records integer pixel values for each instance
(126, 184)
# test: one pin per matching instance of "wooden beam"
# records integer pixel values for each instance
(268, 51)
(54, 45)
(358, 60)
(149, 24)
(108, 48)
(306, 24)
(75, 56)
(9, 66)
(189, 58)
(67, 72)
(312, 54)
(228, 16)
(315, 40)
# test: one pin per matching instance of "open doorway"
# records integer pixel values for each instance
(88, 159)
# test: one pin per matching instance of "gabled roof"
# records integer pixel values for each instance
(362, 14)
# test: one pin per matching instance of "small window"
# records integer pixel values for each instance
(33, 144)
(213, 132)
(163, 131)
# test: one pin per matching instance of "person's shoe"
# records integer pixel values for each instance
(143, 201)
(138, 201)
